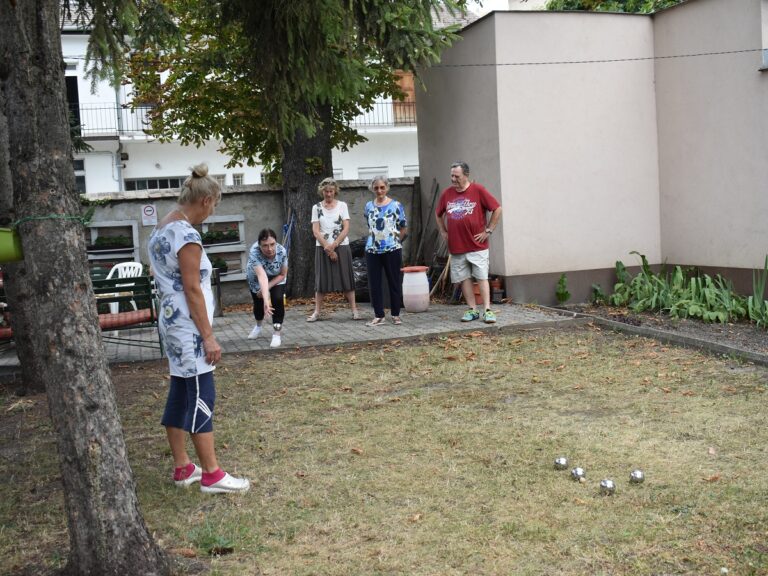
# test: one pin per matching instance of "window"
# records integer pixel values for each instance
(237, 179)
(338, 173)
(220, 178)
(79, 166)
(132, 184)
(411, 170)
(367, 173)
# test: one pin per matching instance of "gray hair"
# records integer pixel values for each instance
(378, 179)
(199, 186)
(463, 165)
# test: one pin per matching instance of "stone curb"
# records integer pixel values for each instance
(668, 337)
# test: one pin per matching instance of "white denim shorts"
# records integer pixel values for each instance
(471, 264)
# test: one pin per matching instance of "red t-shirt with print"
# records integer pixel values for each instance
(465, 216)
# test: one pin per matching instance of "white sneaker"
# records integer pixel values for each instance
(227, 484)
(276, 341)
(255, 333)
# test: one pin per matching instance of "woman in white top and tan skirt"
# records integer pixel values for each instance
(333, 256)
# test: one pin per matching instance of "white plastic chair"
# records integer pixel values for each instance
(124, 270)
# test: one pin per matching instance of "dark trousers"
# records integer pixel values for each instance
(390, 263)
(277, 294)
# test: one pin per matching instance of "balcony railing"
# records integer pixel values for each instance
(103, 120)
(96, 120)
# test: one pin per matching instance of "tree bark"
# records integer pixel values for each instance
(106, 531)
(30, 380)
(306, 161)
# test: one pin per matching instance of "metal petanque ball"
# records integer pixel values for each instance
(561, 463)
(578, 473)
(636, 477)
(607, 487)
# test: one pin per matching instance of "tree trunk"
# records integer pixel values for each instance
(30, 380)
(106, 531)
(306, 161)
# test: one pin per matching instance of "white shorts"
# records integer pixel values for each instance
(469, 265)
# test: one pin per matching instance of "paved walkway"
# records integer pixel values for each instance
(335, 328)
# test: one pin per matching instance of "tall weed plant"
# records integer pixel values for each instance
(688, 294)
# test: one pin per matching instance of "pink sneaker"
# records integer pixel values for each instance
(185, 477)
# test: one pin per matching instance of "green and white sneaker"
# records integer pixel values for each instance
(470, 315)
(489, 317)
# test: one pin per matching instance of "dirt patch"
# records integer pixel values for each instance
(741, 335)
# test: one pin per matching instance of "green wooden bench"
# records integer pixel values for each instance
(125, 292)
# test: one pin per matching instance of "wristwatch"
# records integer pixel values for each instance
(488, 231)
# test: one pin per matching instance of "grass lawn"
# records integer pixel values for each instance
(437, 458)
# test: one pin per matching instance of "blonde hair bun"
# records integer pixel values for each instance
(200, 171)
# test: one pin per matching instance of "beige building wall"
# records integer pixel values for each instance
(713, 133)
(550, 141)
(458, 120)
(578, 142)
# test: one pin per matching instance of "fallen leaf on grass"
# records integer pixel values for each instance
(20, 405)
(415, 518)
(450, 358)
(476, 334)
(713, 478)
(712, 451)
(559, 368)
(578, 387)
(580, 502)
(666, 390)
(220, 550)
(185, 552)
(300, 474)
(396, 399)
(687, 393)
(356, 450)
(346, 388)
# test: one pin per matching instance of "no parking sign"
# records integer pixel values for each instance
(149, 215)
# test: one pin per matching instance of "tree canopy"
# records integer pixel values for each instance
(252, 78)
(636, 6)
(279, 82)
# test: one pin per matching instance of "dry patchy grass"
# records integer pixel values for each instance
(437, 459)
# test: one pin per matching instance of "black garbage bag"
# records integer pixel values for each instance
(360, 269)
(358, 247)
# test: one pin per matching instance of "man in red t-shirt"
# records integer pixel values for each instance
(467, 232)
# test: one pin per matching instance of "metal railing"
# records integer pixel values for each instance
(104, 120)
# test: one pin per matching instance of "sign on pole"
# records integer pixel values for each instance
(148, 215)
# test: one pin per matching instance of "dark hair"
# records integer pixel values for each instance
(463, 165)
(267, 233)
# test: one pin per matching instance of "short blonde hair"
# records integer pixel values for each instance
(324, 183)
(199, 186)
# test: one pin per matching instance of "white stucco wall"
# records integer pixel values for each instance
(394, 148)
(713, 133)
(155, 160)
(577, 142)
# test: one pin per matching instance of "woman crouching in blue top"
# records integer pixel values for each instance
(384, 250)
(267, 269)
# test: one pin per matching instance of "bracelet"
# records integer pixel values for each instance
(488, 231)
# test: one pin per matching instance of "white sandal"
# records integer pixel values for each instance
(376, 322)
(314, 317)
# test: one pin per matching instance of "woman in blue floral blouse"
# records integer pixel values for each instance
(384, 250)
(267, 270)
(183, 278)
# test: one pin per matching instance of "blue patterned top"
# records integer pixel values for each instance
(181, 338)
(384, 225)
(271, 267)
